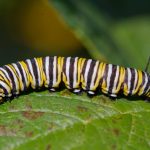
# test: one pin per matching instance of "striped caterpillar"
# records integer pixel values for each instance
(76, 73)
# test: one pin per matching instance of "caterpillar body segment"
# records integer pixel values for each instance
(76, 73)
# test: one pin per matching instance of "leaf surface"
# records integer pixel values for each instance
(63, 120)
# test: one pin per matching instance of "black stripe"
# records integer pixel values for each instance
(132, 80)
(51, 67)
(77, 79)
(84, 67)
(137, 80)
(101, 79)
(5, 90)
(147, 85)
(5, 75)
(35, 71)
(16, 74)
(125, 79)
(44, 65)
(57, 67)
(71, 72)
(14, 90)
(97, 72)
(143, 79)
(21, 72)
(29, 69)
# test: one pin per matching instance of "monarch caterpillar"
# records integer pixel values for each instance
(76, 73)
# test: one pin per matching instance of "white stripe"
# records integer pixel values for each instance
(109, 75)
(24, 73)
(6, 87)
(94, 75)
(129, 79)
(87, 70)
(75, 72)
(116, 80)
(146, 80)
(67, 69)
(15, 79)
(20, 76)
(135, 80)
(5, 73)
(47, 68)
(54, 70)
(32, 73)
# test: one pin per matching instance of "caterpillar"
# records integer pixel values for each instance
(76, 74)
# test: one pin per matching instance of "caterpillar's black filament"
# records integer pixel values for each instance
(76, 73)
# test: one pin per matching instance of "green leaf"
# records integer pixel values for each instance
(63, 120)
(132, 36)
(125, 41)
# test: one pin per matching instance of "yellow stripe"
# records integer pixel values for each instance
(99, 75)
(63, 75)
(93, 88)
(28, 76)
(148, 94)
(141, 87)
(64, 78)
(82, 76)
(4, 78)
(103, 86)
(8, 88)
(125, 87)
(121, 78)
(40, 66)
(79, 62)
(18, 78)
(59, 65)
(139, 81)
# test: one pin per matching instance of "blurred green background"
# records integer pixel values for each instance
(114, 31)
